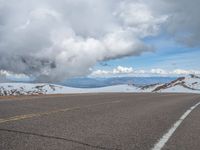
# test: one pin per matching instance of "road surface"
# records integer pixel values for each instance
(100, 122)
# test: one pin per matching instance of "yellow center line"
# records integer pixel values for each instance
(22, 117)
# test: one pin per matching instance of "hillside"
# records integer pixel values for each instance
(189, 84)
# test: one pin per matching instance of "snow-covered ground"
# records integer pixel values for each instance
(189, 84)
(34, 89)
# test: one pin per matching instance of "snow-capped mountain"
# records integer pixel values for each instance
(189, 84)
(28, 89)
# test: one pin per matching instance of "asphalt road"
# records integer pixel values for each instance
(98, 122)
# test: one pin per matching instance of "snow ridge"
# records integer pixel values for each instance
(189, 84)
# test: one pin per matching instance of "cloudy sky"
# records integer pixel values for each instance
(50, 40)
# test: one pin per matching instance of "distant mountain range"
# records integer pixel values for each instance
(189, 84)
(103, 82)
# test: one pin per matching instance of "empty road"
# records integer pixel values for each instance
(100, 122)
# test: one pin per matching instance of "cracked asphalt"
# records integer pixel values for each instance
(112, 121)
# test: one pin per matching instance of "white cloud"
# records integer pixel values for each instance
(53, 40)
(116, 71)
(183, 19)
(140, 18)
(129, 71)
(122, 70)
(158, 71)
(101, 73)
(6, 75)
(182, 71)
(44, 39)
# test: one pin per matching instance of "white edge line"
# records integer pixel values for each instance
(161, 143)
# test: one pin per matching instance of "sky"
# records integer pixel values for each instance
(171, 58)
(50, 41)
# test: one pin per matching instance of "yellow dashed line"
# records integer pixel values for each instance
(22, 117)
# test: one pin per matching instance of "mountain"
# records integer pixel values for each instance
(28, 89)
(8, 89)
(189, 84)
(102, 82)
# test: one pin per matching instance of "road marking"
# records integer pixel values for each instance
(161, 143)
(22, 117)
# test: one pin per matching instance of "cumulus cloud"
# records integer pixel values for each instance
(182, 72)
(182, 21)
(6, 76)
(116, 71)
(3, 76)
(129, 71)
(158, 71)
(52, 40)
(122, 70)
